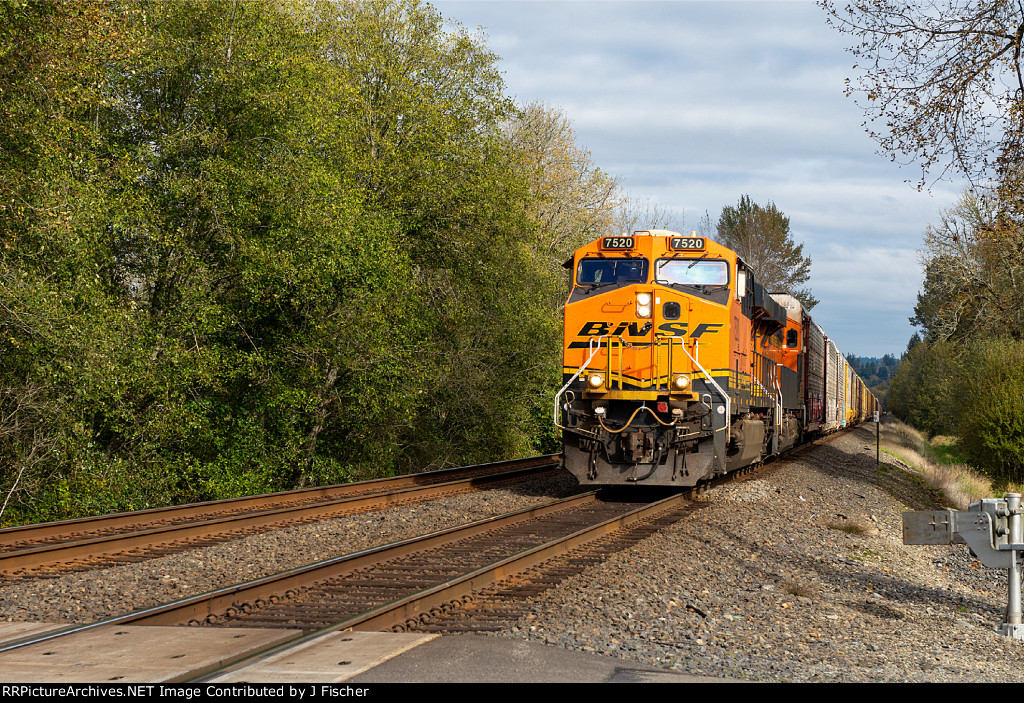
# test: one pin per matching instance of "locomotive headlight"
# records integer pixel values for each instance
(680, 382)
(643, 304)
(595, 380)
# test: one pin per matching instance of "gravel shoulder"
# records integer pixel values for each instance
(770, 581)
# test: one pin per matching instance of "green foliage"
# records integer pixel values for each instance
(974, 275)
(98, 484)
(923, 392)
(570, 199)
(876, 373)
(972, 392)
(991, 424)
(947, 451)
(964, 378)
(252, 246)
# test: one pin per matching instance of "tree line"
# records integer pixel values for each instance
(948, 85)
(251, 246)
(877, 373)
(248, 246)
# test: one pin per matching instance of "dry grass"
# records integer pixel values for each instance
(798, 589)
(960, 483)
(853, 527)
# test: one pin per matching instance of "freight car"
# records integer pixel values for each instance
(678, 366)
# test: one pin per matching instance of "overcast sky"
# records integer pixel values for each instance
(697, 103)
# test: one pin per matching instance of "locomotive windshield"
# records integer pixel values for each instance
(692, 272)
(593, 271)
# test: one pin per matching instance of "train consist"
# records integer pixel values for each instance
(679, 366)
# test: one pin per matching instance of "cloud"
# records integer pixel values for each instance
(867, 296)
(698, 103)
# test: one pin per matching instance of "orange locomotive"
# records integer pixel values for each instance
(679, 366)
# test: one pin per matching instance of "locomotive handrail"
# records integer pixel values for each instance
(608, 358)
(778, 407)
(658, 342)
(764, 391)
(577, 375)
(607, 404)
(728, 401)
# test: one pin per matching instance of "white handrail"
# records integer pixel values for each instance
(728, 402)
(577, 375)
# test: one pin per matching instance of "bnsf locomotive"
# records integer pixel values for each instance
(679, 366)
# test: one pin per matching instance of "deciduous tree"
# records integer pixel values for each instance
(572, 200)
(249, 245)
(635, 213)
(974, 272)
(941, 83)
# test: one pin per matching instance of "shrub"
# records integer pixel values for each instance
(992, 417)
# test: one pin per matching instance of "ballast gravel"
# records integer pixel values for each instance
(799, 575)
(87, 596)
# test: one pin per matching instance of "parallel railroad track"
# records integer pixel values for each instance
(475, 577)
(35, 550)
(404, 585)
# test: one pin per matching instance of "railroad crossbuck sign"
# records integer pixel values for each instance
(993, 530)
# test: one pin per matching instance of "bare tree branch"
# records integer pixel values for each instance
(939, 82)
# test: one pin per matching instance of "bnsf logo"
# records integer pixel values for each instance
(637, 329)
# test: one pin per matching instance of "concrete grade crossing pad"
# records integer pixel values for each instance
(11, 631)
(134, 654)
(152, 655)
(130, 654)
(331, 658)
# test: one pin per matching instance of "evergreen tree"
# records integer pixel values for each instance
(760, 235)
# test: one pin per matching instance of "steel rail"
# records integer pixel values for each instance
(50, 554)
(416, 605)
(23, 533)
(216, 602)
(420, 604)
(401, 610)
(198, 607)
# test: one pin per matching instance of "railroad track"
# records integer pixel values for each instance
(405, 585)
(88, 543)
(473, 578)
(386, 586)
(470, 578)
